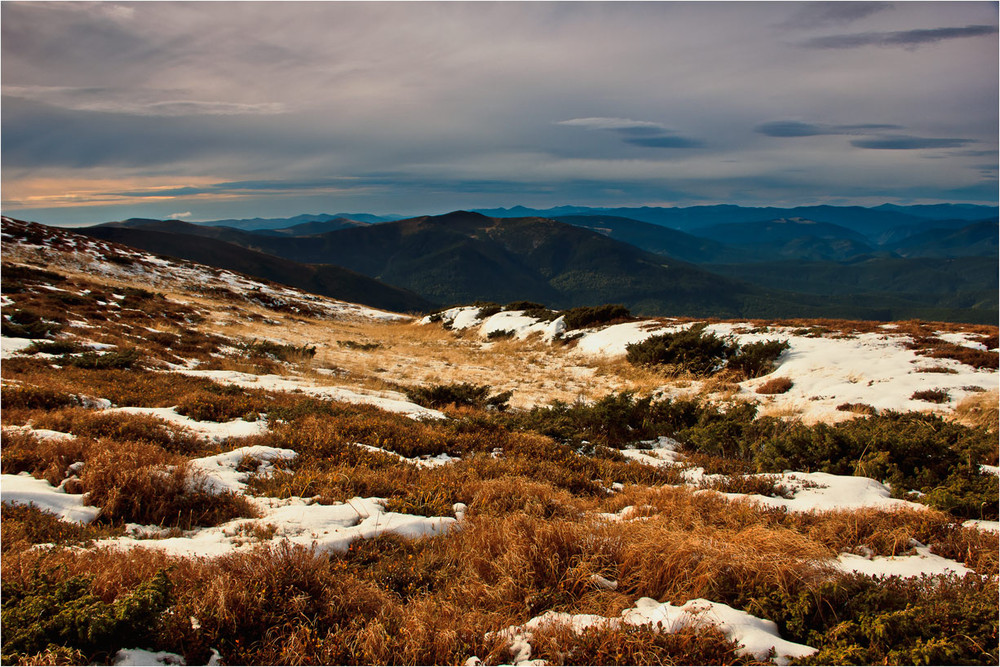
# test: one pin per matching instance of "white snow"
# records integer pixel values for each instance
(137, 657)
(923, 562)
(387, 400)
(982, 524)
(522, 326)
(40, 433)
(960, 338)
(216, 431)
(23, 489)
(426, 461)
(612, 341)
(821, 492)
(217, 474)
(298, 521)
(11, 346)
(871, 368)
(756, 636)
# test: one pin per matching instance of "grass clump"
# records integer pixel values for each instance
(699, 352)
(859, 620)
(459, 394)
(692, 350)
(46, 612)
(54, 347)
(931, 396)
(775, 386)
(589, 316)
(117, 359)
(23, 323)
(269, 350)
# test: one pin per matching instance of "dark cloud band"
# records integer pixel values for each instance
(904, 38)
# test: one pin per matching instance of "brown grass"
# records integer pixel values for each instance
(980, 410)
(775, 386)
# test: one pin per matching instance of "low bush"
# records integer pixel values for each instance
(355, 345)
(265, 349)
(140, 483)
(23, 323)
(47, 612)
(117, 359)
(524, 305)
(858, 408)
(26, 525)
(55, 347)
(487, 309)
(931, 396)
(32, 397)
(460, 394)
(753, 360)
(588, 316)
(889, 620)
(775, 386)
(500, 334)
(692, 350)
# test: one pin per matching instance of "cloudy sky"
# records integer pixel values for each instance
(213, 110)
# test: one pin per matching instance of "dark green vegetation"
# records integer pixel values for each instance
(463, 394)
(879, 264)
(176, 240)
(695, 351)
(910, 451)
(54, 615)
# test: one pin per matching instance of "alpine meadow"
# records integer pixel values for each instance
(628, 333)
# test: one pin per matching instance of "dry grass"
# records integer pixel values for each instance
(980, 410)
(775, 386)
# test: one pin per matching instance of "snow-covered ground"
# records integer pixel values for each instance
(875, 369)
(389, 401)
(756, 637)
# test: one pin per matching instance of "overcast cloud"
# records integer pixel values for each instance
(113, 110)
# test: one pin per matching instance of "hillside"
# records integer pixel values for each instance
(222, 470)
(867, 221)
(208, 247)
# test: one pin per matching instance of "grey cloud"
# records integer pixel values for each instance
(817, 14)
(794, 128)
(137, 103)
(906, 38)
(907, 143)
(665, 141)
(643, 133)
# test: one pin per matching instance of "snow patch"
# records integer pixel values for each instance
(23, 489)
(215, 431)
(756, 637)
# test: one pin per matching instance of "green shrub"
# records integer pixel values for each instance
(461, 394)
(265, 349)
(692, 350)
(355, 345)
(588, 316)
(118, 359)
(487, 309)
(498, 334)
(860, 620)
(46, 612)
(524, 305)
(756, 359)
(55, 347)
(20, 323)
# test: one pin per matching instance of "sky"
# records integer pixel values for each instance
(203, 111)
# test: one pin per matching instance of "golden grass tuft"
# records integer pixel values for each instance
(981, 410)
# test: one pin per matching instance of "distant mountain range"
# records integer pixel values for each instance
(173, 238)
(789, 266)
(867, 221)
